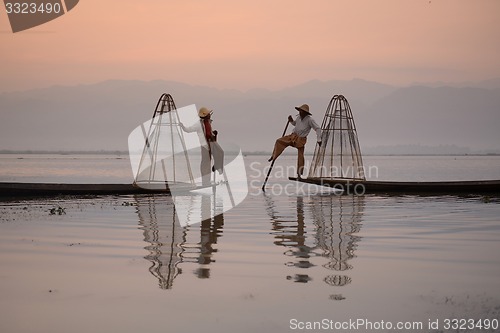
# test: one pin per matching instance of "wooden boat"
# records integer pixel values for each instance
(355, 186)
(338, 163)
(52, 189)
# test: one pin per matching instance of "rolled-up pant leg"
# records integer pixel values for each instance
(281, 144)
(295, 141)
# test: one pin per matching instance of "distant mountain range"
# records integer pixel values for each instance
(100, 116)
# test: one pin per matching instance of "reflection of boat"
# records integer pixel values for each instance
(14, 189)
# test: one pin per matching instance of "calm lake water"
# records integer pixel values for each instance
(278, 262)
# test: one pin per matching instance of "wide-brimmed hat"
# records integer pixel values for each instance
(204, 112)
(303, 107)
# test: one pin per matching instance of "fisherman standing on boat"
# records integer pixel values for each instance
(209, 146)
(303, 123)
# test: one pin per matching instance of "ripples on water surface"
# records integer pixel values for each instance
(123, 263)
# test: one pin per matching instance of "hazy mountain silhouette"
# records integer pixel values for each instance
(100, 116)
(435, 116)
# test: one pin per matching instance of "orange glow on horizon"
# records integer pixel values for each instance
(251, 44)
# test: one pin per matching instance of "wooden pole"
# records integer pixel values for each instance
(272, 163)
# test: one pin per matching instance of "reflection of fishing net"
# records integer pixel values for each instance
(339, 156)
(167, 149)
(337, 220)
(337, 280)
(164, 236)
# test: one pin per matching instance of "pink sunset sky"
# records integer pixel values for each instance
(256, 44)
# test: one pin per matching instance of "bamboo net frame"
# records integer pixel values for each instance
(339, 155)
(165, 127)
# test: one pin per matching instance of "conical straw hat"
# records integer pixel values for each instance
(303, 107)
(204, 112)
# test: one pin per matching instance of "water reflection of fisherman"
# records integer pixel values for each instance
(209, 145)
(210, 231)
(167, 241)
(336, 221)
(292, 235)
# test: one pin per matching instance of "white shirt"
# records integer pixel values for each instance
(303, 127)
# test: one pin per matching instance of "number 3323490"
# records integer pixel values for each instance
(32, 8)
(470, 324)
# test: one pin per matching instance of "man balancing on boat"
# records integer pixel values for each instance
(208, 144)
(303, 123)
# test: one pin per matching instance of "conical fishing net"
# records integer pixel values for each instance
(166, 149)
(339, 155)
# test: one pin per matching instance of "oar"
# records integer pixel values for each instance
(272, 163)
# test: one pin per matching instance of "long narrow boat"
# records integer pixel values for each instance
(340, 151)
(52, 189)
(440, 187)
